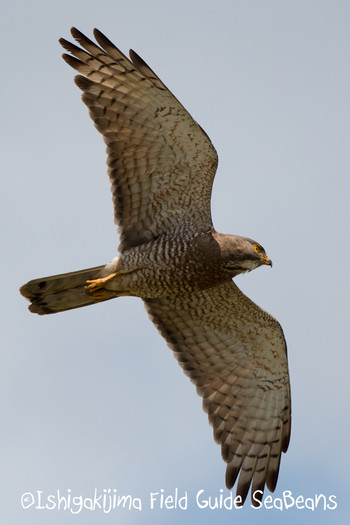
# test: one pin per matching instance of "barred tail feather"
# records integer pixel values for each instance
(59, 293)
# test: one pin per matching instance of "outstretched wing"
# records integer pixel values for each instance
(160, 162)
(236, 355)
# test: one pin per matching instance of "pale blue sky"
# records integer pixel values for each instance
(94, 398)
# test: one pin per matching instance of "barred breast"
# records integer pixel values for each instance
(170, 265)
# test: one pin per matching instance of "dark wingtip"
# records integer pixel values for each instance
(133, 55)
(97, 33)
(257, 495)
(83, 83)
(242, 492)
(140, 63)
(75, 32)
(69, 59)
(231, 476)
(271, 479)
(81, 38)
(102, 40)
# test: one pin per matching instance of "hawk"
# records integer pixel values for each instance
(161, 165)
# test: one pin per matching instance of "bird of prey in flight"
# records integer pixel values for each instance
(161, 165)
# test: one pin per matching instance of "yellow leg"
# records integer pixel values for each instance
(97, 284)
(95, 288)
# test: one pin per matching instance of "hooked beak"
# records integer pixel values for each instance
(265, 259)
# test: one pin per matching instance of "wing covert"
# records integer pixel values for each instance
(160, 162)
(235, 354)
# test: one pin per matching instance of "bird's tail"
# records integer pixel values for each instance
(58, 293)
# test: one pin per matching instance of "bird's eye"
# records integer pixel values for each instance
(257, 248)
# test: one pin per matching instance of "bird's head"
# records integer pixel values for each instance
(241, 254)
